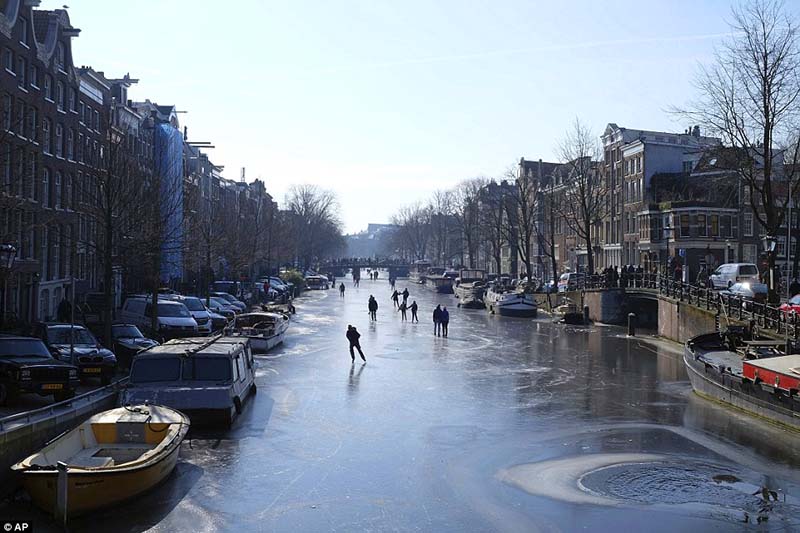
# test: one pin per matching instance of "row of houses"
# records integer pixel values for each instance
(665, 195)
(65, 129)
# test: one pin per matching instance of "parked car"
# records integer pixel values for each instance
(231, 300)
(126, 341)
(792, 306)
(218, 321)
(222, 307)
(317, 283)
(749, 292)
(77, 345)
(26, 366)
(173, 320)
(570, 281)
(730, 273)
(197, 309)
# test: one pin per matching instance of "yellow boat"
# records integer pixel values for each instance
(111, 457)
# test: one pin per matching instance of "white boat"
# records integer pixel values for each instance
(470, 285)
(510, 302)
(265, 330)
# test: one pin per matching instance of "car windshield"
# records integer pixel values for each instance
(61, 335)
(193, 304)
(125, 331)
(173, 310)
(227, 297)
(151, 370)
(748, 270)
(23, 347)
(207, 369)
(219, 302)
(795, 300)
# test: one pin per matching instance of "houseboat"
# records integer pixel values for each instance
(510, 301)
(265, 330)
(417, 271)
(750, 373)
(208, 379)
(469, 289)
(436, 280)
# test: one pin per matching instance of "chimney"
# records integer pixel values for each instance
(696, 132)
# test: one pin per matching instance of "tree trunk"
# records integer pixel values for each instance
(589, 254)
(108, 276)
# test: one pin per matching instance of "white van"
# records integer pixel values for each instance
(729, 273)
(174, 319)
(198, 310)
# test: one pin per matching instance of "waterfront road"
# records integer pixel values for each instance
(507, 425)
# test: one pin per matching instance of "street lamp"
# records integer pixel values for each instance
(769, 243)
(7, 255)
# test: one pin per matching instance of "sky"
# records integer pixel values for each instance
(386, 101)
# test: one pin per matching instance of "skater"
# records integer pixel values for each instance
(395, 298)
(402, 310)
(414, 308)
(353, 335)
(445, 321)
(437, 320)
(373, 308)
(391, 282)
(341, 290)
(405, 295)
(376, 275)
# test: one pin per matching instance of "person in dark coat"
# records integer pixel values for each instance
(373, 308)
(445, 321)
(402, 310)
(405, 295)
(341, 290)
(437, 320)
(395, 298)
(353, 335)
(64, 311)
(414, 308)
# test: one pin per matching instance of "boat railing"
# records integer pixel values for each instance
(26, 417)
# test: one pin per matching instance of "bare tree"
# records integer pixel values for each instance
(413, 230)
(749, 97)
(466, 213)
(316, 227)
(493, 200)
(520, 224)
(546, 231)
(441, 208)
(582, 203)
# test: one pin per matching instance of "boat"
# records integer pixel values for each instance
(437, 280)
(749, 373)
(510, 301)
(470, 284)
(208, 379)
(111, 457)
(418, 270)
(568, 313)
(265, 330)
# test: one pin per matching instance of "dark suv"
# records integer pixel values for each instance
(87, 353)
(27, 366)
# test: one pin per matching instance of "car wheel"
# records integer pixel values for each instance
(63, 395)
(237, 404)
(253, 389)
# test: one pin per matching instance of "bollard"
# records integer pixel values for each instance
(585, 314)
(631, 325)
(62, 488)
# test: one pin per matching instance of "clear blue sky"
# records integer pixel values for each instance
(386, 101)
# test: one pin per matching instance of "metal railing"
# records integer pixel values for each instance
(762, 315)
(28, 416)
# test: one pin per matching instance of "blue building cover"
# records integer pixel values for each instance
(168, 157)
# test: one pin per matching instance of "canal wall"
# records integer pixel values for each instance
(679, 321)
(24, 434)
(608, 306)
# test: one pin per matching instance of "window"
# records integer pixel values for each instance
(57, 191)
(60, 96)
(702, 230)
(71, 144)
(638, 164)
(6, 167)
(8, 111)
(67, 192)
(72, 98)
(59, 140)
(48, 87)
(46, 136)
(46, 187)
(33, 75)
(80, 147)
(747, 224)
(8, 60)
(82, 111)
(725, 223)
(33, 171)
(19, 121)
(685, 227)
(96, 120)
(714, 225)
(155, 370)
(22, 71)
(749, 253)
(60, 56)
(33, 122)
(780, 248)
(23, 31)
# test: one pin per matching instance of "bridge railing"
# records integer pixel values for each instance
(763, 315)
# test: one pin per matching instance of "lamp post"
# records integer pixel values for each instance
(769, 243)
(7, 255)
(728, 258)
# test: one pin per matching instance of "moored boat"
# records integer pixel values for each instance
(265, 330)
(513, 302)
(753, 375)
(470, 285)
(418, 270)
(437, 280)
(111, 457)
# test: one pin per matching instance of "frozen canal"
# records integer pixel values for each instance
(507, 425)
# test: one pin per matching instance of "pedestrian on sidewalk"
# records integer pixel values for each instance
(353, 335)
(402, 310)
(437, 320)
(373, 308)
(414, 307)
(445, 321)
(341, 290)
(395, 298)
(405, 295)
